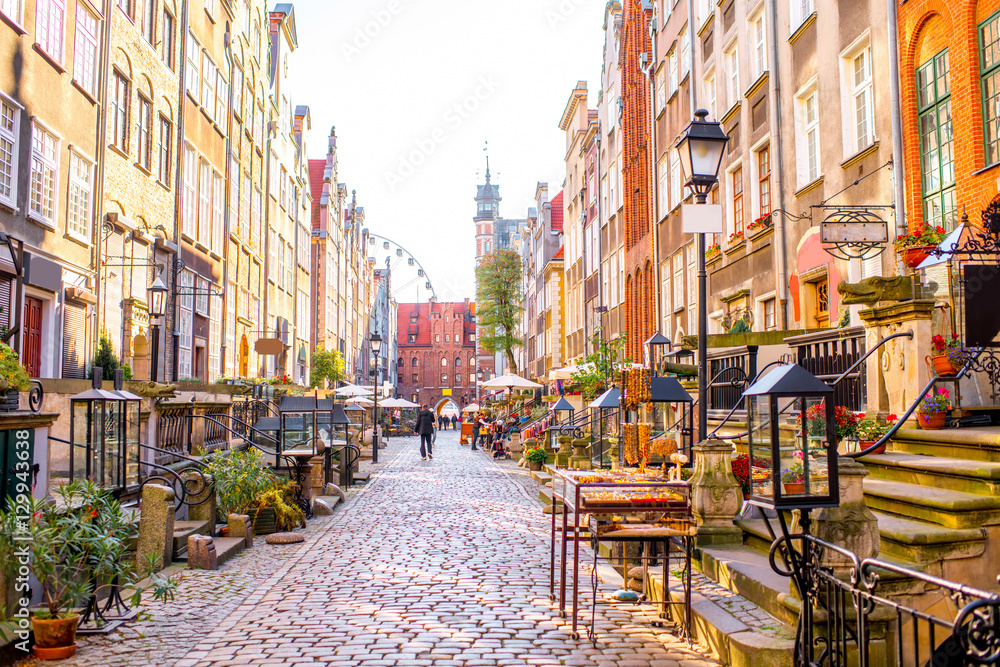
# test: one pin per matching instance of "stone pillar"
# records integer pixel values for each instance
(530, 443)
(613, 452)
(850, 525)
(316, 479)
(515, 443)
(550, 454)
(156, 528)
(202, 554)
(240, 526)
(203, 505)
(562, 456)
(580, 459)
(897, 372)
(715, 495)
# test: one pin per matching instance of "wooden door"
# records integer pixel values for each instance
(32, 336)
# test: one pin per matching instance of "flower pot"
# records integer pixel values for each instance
(55, 638)
(912, 256)
(792, 488)
(534, 465)
(865, 444)
(10, 401)
(266, 521)
(934, 422)
(941, 364)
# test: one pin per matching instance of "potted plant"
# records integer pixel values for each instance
(760, 224)
(713, 250)
(13, 378)
(847, 421)
(915, 245)
(736, 237)
(535, 458)
(276, 509)
(240, 480)
(941, 352)
(933, 409)
(793, 478)
(870, 431)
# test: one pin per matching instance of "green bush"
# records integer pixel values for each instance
(240, 479)
(536, 455)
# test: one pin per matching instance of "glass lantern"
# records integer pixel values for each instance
(792, 441)
(97, 431)
(677, 425)
(130, 407)
(608, 407)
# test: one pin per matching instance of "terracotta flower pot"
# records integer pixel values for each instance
(534, 465)
(55, 638)
(934, 422)
(794, 487)
(941, 364)
(865, 444)
(914, 255)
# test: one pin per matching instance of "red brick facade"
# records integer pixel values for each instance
(437, 352)
(926, 28)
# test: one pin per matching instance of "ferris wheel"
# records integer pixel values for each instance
(409, 280)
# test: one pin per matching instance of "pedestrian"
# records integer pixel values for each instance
(425, 429)
(454, 423)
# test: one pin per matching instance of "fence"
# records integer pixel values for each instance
(729, 372)
(827, 354)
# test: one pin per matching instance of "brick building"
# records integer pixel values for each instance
(437, 353)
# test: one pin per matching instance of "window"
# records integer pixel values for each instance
(661, 90)
(238, 91)
(676, 189)
(736, 180)
(166, 146)
(733, 92)
(221, 100)
(210, 7)
(990, 74)
(148, 20)
(189, 211)
(185, 305)
(710, 95)
(201, 298)
(44, 174)
(764, 176)
(447, 338)
(119, 111)
(937, 164)
(80, 197)
(193, 63)
(204, 202)
(289, 266)
(256, 40)
(663, 194)
(672, 71)
(685, 53)
(208, 74)
(458, 378)
(215, 339)
(692, 312)
(472, 378)
(13, 9)
(458, 362)
(218, 213)
(167, 39)
(125, 6)
(861, 117)
(85, 50)
(50, 22)
(414, 362)
(444, 378)
(437, 338)
(444, 363)
(807, 141)
(414, 378)
(769, 317)
(678, 262)
(144, 132)
(612, 193)
(800, 10)
(412, 338)
(758, 46)
(9, 122)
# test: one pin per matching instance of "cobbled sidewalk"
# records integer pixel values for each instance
(439, 562)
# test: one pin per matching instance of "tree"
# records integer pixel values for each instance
(326, 365)
(499, 303)
(108, 360)
(595, 377)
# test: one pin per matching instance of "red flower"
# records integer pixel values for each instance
(891, 418)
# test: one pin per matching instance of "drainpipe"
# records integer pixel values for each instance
(781, 278)
(224, 325)
(898, 171)
(655, 231)
(171, 306)
(101, 157)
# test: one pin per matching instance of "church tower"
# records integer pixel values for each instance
(487, 211)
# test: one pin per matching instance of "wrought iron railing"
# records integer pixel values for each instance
(730, 371)
(828, 355)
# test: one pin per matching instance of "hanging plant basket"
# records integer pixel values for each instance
(941, 364)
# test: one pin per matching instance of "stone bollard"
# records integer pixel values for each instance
(203, 504)
(201, 553)
(515, 444)
(580, 460)
(550, 454)
(240, 526)
(334, 490)
(613, 452)
(715, 495)
(317, 478)
(562, 456)
(156, 528)
(851, 525)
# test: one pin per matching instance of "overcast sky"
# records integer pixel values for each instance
(415, 88)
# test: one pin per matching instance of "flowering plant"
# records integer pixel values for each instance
(284, 379)
(713, 250)
(760, 223)
(870, 429)
(742, 472)
(847, 421)
(795, 473)
(536, 455)
(952, 348)
(922, 236)
(736, 236)
(12, 373)
(935, 402)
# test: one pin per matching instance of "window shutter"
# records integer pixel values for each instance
(74, 341)
(5, 286)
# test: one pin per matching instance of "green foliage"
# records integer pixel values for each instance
(499, 303)
(326, 365)
(280, 498)
(11, 369)
(536, 455)
(240, 479)
(594, 378)
(106, 358)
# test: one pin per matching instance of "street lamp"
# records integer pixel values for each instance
(700, 150)
(157, 292)
(376, 343)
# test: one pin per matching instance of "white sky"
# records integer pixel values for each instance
(413, 157)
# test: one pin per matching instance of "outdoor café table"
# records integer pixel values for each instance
(620, 506)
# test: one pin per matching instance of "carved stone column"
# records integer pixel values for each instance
(580, 460)
(562, 456)
(715, 495)
(851, 525)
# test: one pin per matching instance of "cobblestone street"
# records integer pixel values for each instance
(439, 562)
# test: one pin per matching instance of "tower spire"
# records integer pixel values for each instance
(486, 149)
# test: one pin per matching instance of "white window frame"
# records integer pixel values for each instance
(710, 94)
(661, 90)
(80, 201)
(289, 266)
(799, 11)
(221, 102)
(48, 167)
(14, 10)
(85, 49)
(731, 60)
(193, 67)
(673, 72)
(10, 124)
(215, 339)
(807, 126)
(201, 298)
(676, 187)
(853, 92)
(685, 57)
(49, 37)
(189, 211)
(218, 214)
(730, 207)
(164, 151)
(208, 81)
(167, 38)
(185, 324)
(758, 45)
(144, 133)
(204, 202)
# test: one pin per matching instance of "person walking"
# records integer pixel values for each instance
(454, 422)
(425, 429)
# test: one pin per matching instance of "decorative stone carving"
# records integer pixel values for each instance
(240, 526)
(716, 497)
(875, 289)
(562, 456)
(580, 459)
(153, 389)
(850, 525)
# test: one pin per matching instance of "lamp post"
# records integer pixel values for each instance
(157, 292)
(700, 150)
(376, 343)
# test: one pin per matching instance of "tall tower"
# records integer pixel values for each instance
(487, 210)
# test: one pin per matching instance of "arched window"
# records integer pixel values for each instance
(444, 362)
(458, 378)
(472, 362)
(399, 364)
(414, 364)
(458, 362)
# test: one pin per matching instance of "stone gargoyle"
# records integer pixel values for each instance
(148, 389)
(875, 289)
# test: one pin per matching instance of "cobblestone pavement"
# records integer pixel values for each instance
(439, 562)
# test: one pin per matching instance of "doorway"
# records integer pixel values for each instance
(33, 336)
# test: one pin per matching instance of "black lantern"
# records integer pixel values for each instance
(792, 440)
(562, 410)
(157, 292)
(130, 407)
(608, 409)
(700, 150)
(97, 432)
(678, 417)
(339, 418)
(376, 343)
(654, 350)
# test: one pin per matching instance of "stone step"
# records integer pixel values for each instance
(541, 477)
(957, 474)
(942, 506)
(747, 572)
(182, 529)
(361, 477)
(973, 444)
(919, 542)
(324, 505)
(228, 547)
(545, 495)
